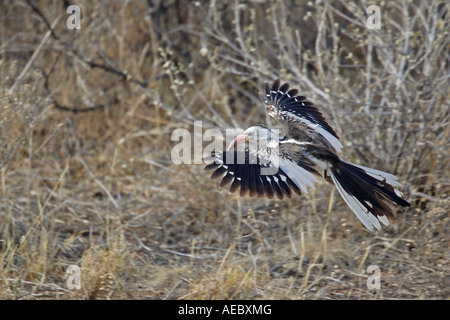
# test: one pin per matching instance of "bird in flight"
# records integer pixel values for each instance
(259, 163)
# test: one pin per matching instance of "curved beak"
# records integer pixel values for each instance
(240, 138)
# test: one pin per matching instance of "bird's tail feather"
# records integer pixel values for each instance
(368, 192)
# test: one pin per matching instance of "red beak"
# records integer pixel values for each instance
(240, 138)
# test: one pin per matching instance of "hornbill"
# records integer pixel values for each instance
(259, 163)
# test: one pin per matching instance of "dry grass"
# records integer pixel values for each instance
(86, 176)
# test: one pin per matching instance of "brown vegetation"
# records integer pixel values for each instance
(86, 176)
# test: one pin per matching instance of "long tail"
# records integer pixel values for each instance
(368, 192)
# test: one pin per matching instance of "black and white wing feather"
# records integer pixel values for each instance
(263, 175)
(241, 172)
(295, 112)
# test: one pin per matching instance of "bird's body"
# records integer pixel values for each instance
(259, 163)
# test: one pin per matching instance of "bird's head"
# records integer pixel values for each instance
(255, 137)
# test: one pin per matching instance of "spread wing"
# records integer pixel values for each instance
(297, 114)
(263, 175)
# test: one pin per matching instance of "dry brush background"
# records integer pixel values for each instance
(86, 177)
